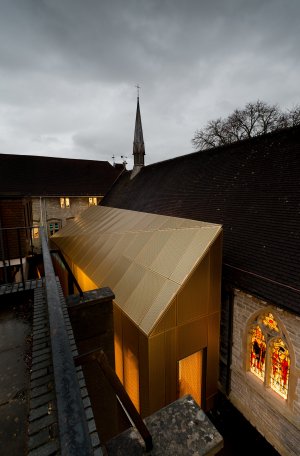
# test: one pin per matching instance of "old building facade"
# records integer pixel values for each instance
(55, 212)
(43, 191)
(15, 237)
(59, 188)
(266, 389)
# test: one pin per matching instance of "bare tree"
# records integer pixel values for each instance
(253, 120)
(294, 116)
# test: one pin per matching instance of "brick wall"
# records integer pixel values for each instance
(274, 417)
(43, 431)
(15, 212)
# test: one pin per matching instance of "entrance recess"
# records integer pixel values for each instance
(190, 376)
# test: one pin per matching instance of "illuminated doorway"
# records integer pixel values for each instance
(191, 376)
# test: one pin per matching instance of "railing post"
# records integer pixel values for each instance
(3, 253)
(99, 356)
(20, 255)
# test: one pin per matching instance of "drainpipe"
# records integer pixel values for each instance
(3, 254)
(41, 212)
(230, 294)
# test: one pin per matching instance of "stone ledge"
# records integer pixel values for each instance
(43, 422)
(181, 428)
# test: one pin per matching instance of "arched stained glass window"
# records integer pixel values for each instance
(269, 357)
(269, 321)
(280, 369)
(258, 353)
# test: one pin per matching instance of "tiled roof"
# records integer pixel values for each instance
(252, 189)
(45, 176)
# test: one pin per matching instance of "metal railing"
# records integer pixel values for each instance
(73, 427)
(99, 356)
(16, 243)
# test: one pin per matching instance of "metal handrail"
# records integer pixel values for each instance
(99, 356)
(73, 427)
(69, 270)
(5, 254)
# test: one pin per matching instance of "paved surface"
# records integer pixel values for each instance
(15, 339)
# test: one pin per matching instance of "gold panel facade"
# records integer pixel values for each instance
(193, 298)
(165, 273)
(157, 366)
(131, 361)
(118, 339)
(144, 258)
(192, 337)
(168, 320)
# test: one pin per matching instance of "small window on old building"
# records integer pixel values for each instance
(35, 233)
(93, 201)
(53, 227)
(64, 202)
(269, 357)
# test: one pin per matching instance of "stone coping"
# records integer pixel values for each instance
(43, 432)
(181, 428)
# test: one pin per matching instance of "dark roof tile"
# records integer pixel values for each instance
(252, 189)
(46, 176)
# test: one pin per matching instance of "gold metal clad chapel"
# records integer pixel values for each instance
(165, 273)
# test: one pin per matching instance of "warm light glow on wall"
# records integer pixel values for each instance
(84, 281)
(190, 375)
(64, 202)
(93, 201)
(131, 376)
(119, 358)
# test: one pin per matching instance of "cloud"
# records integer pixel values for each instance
(68, 70)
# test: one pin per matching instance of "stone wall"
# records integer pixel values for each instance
(52, 211)
(47, 210)
(277, 419)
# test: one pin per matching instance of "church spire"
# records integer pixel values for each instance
(138, 143)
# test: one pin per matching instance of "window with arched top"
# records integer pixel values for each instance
(280, 370)
(269, 358)
(258, 352)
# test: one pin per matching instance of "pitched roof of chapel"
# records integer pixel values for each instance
(250, 187)
(144, 258)
(29, 175)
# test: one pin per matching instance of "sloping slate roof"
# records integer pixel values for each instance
(252, 188)
(45, 176)
(143, 258)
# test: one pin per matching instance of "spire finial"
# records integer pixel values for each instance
(138, 90)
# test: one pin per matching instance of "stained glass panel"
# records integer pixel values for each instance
(268, 320)
(280, 368)
(257, 353)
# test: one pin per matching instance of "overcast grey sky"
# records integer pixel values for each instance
(68, 70)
